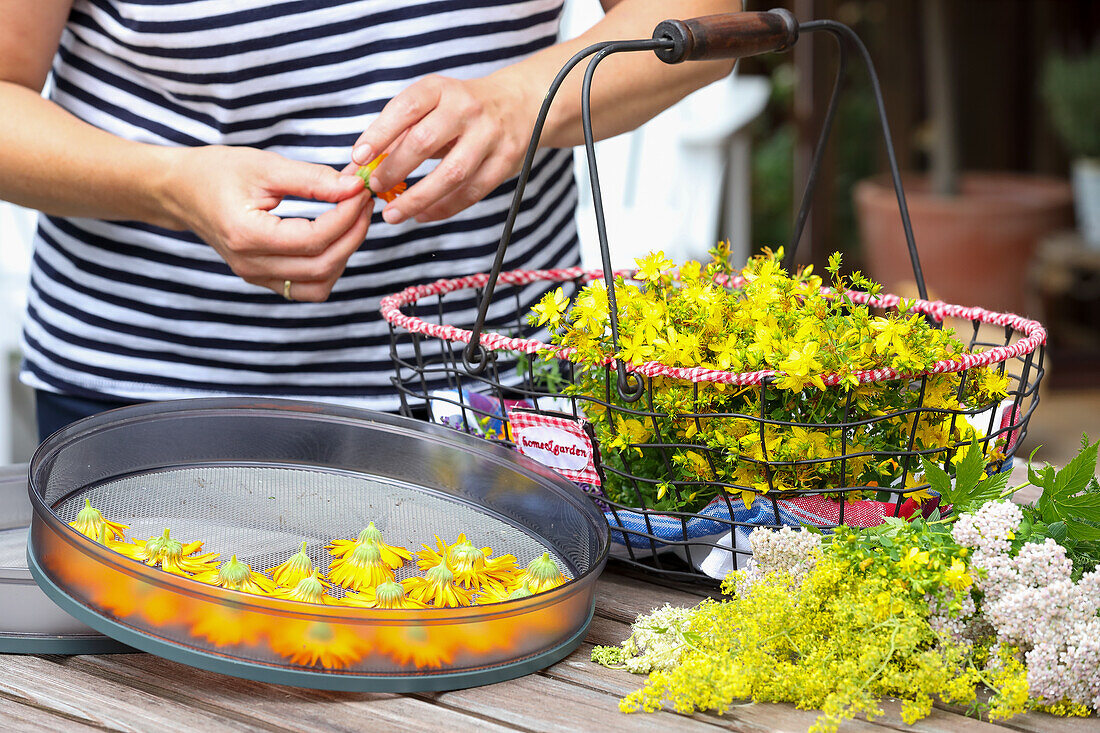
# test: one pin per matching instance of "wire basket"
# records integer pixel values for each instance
(499, 383)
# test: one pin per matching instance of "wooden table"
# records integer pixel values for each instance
(140, 692)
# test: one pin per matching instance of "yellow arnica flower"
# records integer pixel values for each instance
(437, 586)
(90, 523)
(363, 566)
(365, 171)
(298, 567)
(390, 594)
(392, 555)
(500, 595)
(541, 574)
(236, 575)
(310, 589)
(167, 553)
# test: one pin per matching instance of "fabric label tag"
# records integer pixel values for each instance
(558, 441)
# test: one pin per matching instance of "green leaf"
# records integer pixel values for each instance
(1083, 507)
(969, 470)
(1057, 531)
(937, 477)
(1082, 531)
(1074, 478)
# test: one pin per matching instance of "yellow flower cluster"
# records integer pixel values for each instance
(756, 440)
(855, 631)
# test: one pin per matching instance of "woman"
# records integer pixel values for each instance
(203, 234)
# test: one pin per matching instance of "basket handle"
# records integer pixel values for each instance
(729, 35)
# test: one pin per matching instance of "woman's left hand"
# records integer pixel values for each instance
(479, 128)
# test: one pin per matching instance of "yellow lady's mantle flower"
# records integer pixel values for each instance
(362, 566)
(168, 553)
(390, 594)
(298, 567)
(90, 523)
(437, 586)
(310, 589)
(541, 574)
(236, 575)
(392, 555)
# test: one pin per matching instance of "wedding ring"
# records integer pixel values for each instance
(286, 289)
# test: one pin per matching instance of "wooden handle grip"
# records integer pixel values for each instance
(727, 36)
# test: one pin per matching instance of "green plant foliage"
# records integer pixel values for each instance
(1071, 90)
(1068, 510)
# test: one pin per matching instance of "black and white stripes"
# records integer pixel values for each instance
(129, 311)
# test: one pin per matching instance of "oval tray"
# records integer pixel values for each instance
(256, 478)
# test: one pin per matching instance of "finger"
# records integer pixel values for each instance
(426, 139)
(308, 180)
(273, 271)
(493, 172)
(458, 168)
(399, 114)
(271, 234)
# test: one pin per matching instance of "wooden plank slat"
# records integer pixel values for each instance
(625, 598)
(541, 703)
(102, 702)
(280, 706)
(19, 718)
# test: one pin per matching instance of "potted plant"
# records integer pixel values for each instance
(975, 231)
(1071, 90)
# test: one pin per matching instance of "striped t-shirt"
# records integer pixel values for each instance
(125, 310)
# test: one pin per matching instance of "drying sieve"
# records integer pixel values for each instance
(30, 623)
(256, 480)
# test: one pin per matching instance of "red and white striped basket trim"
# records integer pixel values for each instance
(1034, 333)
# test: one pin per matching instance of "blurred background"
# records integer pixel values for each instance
(994, 106)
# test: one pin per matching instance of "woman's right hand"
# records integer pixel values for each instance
(226, 194)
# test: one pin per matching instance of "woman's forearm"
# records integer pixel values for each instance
(61, 165)
(628, 88)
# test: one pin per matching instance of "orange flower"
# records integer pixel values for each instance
(225, 625)
(236, 575)
(90, 523)
(392, 555)
(424, 646)
(437, 586)
(288, 574)
(541, 574)
(387, 595)
(309, 590)
(312, 643)
(363, 566)
(365, 171)
(498, 594)
(168, 553)
(473, 567)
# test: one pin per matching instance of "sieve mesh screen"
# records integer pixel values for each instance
(262, 514)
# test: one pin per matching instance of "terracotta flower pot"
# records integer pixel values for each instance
(975, 248)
